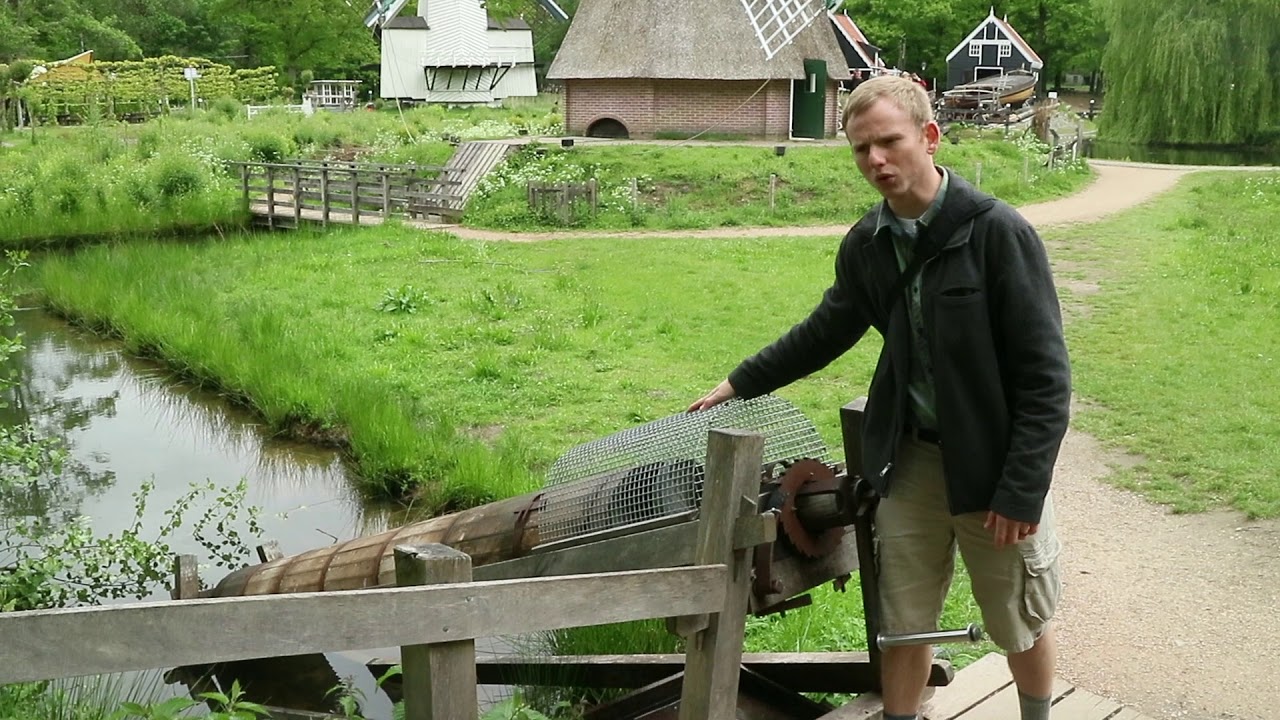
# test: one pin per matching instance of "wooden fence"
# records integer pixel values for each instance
(561, 201)
(436, 613)
(286, 193)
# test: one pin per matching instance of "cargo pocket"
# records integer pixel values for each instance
(1043, 583)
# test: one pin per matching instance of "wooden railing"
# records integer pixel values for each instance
(435, 614)
(286, 193)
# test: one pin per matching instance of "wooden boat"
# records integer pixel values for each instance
(1010, 89)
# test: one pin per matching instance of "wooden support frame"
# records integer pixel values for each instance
(715, 653)
(440, 679)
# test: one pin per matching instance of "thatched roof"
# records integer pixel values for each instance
(686, 39)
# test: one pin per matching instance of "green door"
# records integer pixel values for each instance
(809, 101)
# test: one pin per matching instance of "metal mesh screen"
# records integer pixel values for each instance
(778, 22)
(655, 471)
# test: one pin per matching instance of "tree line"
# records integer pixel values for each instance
(1180, 71)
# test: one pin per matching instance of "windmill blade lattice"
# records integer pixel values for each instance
(778, 22)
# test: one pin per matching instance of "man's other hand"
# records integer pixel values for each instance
(724, 391)
(1007, 531)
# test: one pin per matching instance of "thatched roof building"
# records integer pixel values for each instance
(675, 66)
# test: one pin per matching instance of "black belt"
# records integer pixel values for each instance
(933, 437)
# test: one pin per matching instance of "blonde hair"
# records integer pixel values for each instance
(901, 91)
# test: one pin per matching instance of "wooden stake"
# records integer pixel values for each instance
(710, 688)
(440, 679)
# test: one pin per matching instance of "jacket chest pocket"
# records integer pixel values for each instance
(960, 295)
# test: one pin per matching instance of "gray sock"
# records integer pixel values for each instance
(912, 716)
(1034, 708)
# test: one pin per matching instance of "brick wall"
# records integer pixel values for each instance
(647, 107)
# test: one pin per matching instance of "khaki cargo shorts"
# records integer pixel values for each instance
(1016, 587)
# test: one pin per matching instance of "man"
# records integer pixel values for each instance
(969, 401)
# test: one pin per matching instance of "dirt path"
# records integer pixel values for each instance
(1175, 615)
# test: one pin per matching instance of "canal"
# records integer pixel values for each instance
(126, 421)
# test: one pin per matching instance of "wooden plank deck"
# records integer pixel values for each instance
(472, 161)
(985, 691)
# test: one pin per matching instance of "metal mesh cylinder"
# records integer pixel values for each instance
(654, 472)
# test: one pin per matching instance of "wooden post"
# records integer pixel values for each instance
(977, 176)
(324, 195)
(714, 655)
(297, 196)
(186, 577)
(244, 185)
(635, 193)
(386, 195)
(355, 197)
(1026, 170)
(440, 679)
(773, 189)
(271, 196)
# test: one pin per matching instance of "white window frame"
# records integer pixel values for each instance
(975, 48)
(1006, 49)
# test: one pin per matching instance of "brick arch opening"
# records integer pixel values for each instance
(607, 127)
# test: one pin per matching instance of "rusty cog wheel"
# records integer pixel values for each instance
(796, 477)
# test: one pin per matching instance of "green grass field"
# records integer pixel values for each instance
(1176, 354)
(517, 352)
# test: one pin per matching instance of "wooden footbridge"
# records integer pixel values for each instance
(289, 193)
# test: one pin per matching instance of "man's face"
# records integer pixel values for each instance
(894, 153)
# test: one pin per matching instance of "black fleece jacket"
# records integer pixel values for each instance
(991, 317)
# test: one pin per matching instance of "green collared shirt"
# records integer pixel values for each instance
(921, 398)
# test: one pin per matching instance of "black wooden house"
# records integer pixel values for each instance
(993, 48)
(860, 55)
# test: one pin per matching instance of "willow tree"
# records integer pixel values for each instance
(1193, 72)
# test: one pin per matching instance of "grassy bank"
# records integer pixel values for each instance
(419, 349)
(115, 179)
(1177, 353)
(684, 187)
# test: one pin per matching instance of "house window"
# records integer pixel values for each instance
(975, 48)
(1006, 48)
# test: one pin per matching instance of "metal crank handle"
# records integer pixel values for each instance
(973, 633)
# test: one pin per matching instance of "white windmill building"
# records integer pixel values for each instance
(451, 51)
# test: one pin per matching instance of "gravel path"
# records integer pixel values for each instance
(1175, 615)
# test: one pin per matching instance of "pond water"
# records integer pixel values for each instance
(1104, 150)
(125, 421)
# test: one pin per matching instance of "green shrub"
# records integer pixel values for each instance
(227, 108)
(150, 141)
(174, 175)
(317, 134)
(266, 146)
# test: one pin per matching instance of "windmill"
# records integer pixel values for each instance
(778, 22)
(380, 11)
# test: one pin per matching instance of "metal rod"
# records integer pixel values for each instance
(973, 633)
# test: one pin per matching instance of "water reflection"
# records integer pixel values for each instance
(1104, 150)
(125, 422)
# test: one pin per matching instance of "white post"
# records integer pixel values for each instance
(191, 74)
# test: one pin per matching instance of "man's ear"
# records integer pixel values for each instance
(932, 135)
